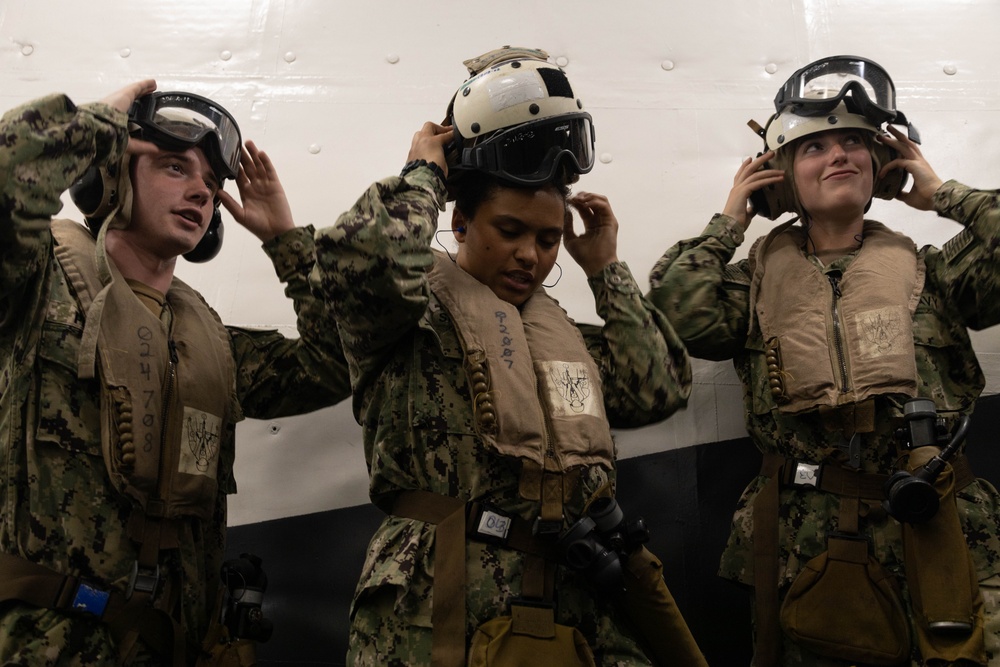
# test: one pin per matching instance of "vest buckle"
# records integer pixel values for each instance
(547, 529)
(143, 580)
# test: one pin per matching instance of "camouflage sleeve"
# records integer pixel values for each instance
(45, 146)
(704, 297)
(967, 266)
(278, 376)
(371, 265)
(644, 367)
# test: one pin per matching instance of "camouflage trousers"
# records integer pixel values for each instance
(794, 655)
(379, 637)
(32, 637)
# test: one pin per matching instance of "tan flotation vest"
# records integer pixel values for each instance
(863, 319)
(167, 384)
(537, 396)
(536, 389)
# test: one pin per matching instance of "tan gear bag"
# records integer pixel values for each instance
(526, 638)
(845, 605)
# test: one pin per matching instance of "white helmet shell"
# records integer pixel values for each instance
(511, 93)
(786, 127)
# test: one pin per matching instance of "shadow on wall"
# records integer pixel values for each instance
(687, 497)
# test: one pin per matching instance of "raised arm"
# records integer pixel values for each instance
(47, 144)
(371, 265)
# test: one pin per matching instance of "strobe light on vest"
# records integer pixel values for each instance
(911, 496)
(596, 543)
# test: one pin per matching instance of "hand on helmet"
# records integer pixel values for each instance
(750, 177)
(925, 182)
(265, 211)
(428, 144)
(123, 99)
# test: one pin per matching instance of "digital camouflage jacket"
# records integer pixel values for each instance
(707, 299)
(413, 400)
(59, 509)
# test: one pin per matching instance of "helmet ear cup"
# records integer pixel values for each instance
(890, 185)
(211, 243)
(771, 201)
(96, 194)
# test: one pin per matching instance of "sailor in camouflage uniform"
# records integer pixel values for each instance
(435, 344)
(93, 521)
(832, 325)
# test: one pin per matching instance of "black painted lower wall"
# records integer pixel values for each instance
(686, 496)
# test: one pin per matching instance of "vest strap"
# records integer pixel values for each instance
(850, 484)
(456, 520)
(39, 586)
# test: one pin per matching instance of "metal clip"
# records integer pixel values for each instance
(143, 580)
(546, 530)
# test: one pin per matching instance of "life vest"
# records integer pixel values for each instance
(167, 383)
(863, 319)
(536, 389)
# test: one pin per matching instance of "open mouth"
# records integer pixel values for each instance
(190, 215)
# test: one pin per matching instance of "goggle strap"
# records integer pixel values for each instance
(911, 130)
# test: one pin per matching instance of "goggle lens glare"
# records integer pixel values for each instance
(188, 120)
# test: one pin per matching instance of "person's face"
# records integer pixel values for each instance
(172, 201)
(511, 243)
(833, 173)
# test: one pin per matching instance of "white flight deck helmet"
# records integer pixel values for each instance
(517, 118)
(840, 92)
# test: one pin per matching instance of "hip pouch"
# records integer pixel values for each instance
(845, 605)
(529, 636)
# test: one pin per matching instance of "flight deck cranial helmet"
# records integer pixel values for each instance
(174, 121)
(517, 118)
(839, 92)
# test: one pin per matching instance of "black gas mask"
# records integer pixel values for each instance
(595, 545)
(911, 496)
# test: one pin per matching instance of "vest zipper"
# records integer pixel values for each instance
(168, 392)
(838, 339)
(550, 450)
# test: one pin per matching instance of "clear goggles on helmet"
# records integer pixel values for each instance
(531, 153)
(178, 121)
(819, 87)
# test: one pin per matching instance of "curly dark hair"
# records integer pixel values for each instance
(470, 188)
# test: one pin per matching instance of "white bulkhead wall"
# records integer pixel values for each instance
(333, 91)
